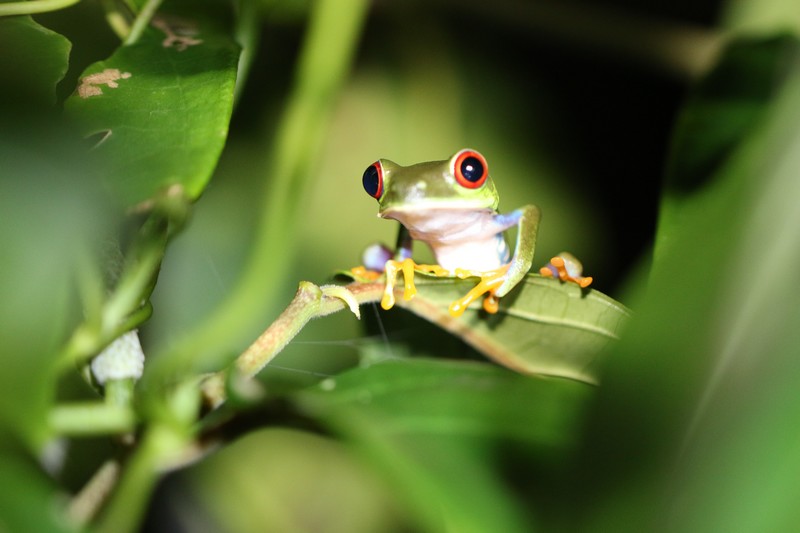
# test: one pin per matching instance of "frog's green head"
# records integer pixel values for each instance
(459, 183)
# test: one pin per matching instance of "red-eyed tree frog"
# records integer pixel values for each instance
(451, 205)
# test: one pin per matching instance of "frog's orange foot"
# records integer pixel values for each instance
(363, 273)
(489, 283)
(566, 267)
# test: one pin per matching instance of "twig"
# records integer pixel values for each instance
(85, 505)
(142, 20)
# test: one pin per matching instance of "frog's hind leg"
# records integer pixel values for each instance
(487, 286)
(566, 267)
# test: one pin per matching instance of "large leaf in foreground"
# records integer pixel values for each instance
(703, 388)
(443, 431)
(28, 501)
(722, 112)
(51, 215)
(729, 102)
(281, 479)
(158, 110)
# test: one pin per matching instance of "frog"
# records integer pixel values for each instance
(452, 206)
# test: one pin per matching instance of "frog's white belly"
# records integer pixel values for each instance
(459, 239)
(480, 255)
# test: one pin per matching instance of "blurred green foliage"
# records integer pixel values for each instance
(661, 139)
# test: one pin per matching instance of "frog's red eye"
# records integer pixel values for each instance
(373, 180)
(470, 169)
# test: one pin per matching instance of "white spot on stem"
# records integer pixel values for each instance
(122, 359)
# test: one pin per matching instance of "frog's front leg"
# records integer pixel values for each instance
(527, 221)
(402, 262)
(407, 267)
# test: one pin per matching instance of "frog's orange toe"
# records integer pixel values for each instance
(566, 268)
(489, 283)
(362, 272)
(491, 304)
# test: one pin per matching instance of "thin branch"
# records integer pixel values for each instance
(89, 418)
(85, 505)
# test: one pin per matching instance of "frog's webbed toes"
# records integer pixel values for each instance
(391, 268)
(363, 274)
(408, 267)
(566, 267)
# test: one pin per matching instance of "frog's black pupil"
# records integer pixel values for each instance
(472, 169)
(371, 181)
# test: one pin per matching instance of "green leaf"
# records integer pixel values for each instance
(704, 384)
(38, 62)
(157, 111)
(721, 113)
(52, 216)
(328, 50)
(28, 502)
(760, 16)
(430, 425)
(725, 106)
(304, 480)
(543, 327)
(547, 327)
